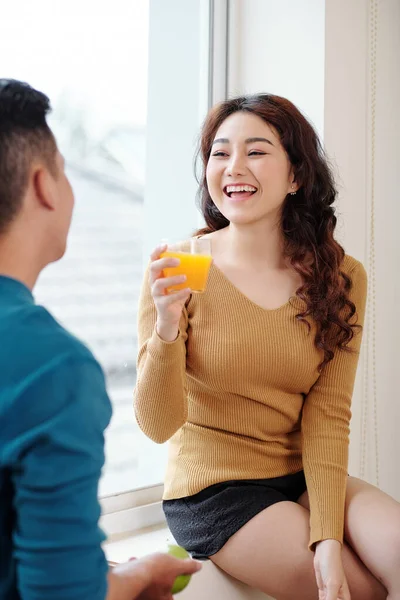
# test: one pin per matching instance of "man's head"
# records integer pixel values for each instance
(35, 193)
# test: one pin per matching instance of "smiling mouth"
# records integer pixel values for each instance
(239, 192)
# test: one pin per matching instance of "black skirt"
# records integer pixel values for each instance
(204, 522)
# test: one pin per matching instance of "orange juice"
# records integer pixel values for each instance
(195, 266)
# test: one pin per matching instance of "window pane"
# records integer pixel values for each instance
(91, 59)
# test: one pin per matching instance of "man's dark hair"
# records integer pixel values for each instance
(24, 136)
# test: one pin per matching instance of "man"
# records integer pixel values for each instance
(53, 401)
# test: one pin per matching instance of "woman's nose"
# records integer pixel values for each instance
(236, 166)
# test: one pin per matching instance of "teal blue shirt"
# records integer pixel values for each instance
(53, 411)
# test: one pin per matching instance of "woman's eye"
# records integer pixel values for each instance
(220, 153)
(256, 153)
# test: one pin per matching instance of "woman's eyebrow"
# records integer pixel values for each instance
(251, 140)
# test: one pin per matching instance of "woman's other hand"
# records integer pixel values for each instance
(329, 572)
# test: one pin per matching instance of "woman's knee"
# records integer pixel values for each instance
(390, 560)
(362, 583)
(373, 530)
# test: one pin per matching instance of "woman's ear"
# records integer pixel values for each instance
(293, 187)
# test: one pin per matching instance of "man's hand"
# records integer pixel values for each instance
(148, 578)
(163, 570)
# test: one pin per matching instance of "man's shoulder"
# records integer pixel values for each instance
(36, 346)
(44, 336)
(48, 374)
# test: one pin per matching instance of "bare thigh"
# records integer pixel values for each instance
(372, 529)
(271, 553)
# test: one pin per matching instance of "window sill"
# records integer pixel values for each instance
(124, 514)
(120, 548)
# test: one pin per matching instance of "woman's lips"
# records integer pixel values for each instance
(239, 196)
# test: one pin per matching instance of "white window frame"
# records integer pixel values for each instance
(127, 512)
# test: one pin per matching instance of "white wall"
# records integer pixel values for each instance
(279, 48)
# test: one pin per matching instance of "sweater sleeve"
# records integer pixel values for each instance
(325, 429)
(160, 399)
(58, 443)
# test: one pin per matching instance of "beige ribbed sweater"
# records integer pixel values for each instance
(239, 396)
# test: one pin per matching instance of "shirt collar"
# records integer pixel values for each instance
(15, 290)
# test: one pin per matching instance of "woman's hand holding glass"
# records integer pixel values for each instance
(169, 306)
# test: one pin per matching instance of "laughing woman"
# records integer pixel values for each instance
(252, 380)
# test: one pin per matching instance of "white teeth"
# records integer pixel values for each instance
(240, 188)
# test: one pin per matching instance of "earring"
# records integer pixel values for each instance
(293, 193)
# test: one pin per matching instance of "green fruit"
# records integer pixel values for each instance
(182, 580)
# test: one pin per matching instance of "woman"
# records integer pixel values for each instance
(253, 379)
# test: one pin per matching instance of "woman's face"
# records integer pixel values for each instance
(248, 173)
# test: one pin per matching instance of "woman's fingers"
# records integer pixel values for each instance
(332, 592)
(157, 267)
(157, 251)
(161, 285)
(175, 297)
(318, 577)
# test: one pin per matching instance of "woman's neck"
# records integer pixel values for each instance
(258, 243)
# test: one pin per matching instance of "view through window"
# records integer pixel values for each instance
(90, 58)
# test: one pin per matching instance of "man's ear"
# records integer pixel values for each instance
(44, 187)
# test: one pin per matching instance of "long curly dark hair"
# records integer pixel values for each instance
(308, 218)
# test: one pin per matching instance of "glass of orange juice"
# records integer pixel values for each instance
(195, 264)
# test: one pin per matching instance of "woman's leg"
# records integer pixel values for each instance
(271, 553)
(372, 529)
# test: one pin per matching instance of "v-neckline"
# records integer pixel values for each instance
(292, 300)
